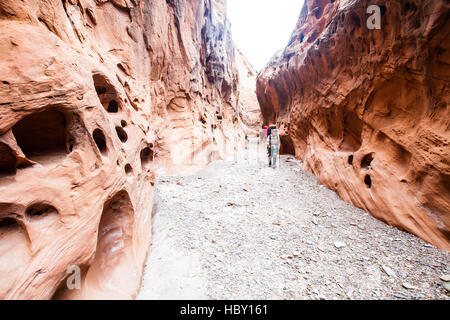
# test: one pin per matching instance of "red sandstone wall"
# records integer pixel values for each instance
(367, 110)
(95, 96)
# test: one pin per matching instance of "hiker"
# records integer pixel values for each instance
(268, 129)
(261, 136)
(273, 146)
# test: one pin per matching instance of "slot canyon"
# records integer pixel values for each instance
(131, 151)
(367, 110)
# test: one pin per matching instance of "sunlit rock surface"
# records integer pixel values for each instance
(249, 110)
(95, 97)
(367, 110)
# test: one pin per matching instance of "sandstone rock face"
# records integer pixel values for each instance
(248, 107)
(95, 96)
(194, 83)
(367, 110)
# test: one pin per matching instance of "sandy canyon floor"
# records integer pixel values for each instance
(241, 230)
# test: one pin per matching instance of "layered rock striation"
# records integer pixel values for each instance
(367, 109)
(95, 97)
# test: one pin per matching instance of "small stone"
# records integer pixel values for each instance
(315, 222)
(446, 278)
(320, 248)
(353, 224)
(340, 244)
(406, 285)
(446, 285)
(388, 271)
(296, 253)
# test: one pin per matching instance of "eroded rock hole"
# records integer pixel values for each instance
(40, 210)
(352, 132)
(42, 135)
(123, 123)
(8, 224)
(114, 254)
(366, 161)
(128, 169)
(91, 15)
(287, 146)
(100, 140)
(122, 134)
(100, 90)
(122, 68)
(70, 144)
(350, 160)
(146, 157)
(368, 181)
(113, 106)
(7, 160)
(106, 93)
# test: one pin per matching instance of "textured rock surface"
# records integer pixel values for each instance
(95, 96)
(249, 110)
(194, 84)
(367, 110)
(213, 241)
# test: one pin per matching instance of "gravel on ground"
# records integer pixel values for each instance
(242, 230)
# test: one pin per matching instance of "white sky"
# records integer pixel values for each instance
(261, 27)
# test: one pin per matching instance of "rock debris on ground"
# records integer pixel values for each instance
(241, 230)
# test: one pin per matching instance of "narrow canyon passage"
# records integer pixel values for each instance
(241, 230)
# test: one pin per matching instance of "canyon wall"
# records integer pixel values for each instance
(95, 97)
(367, 110)
(248, 106)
